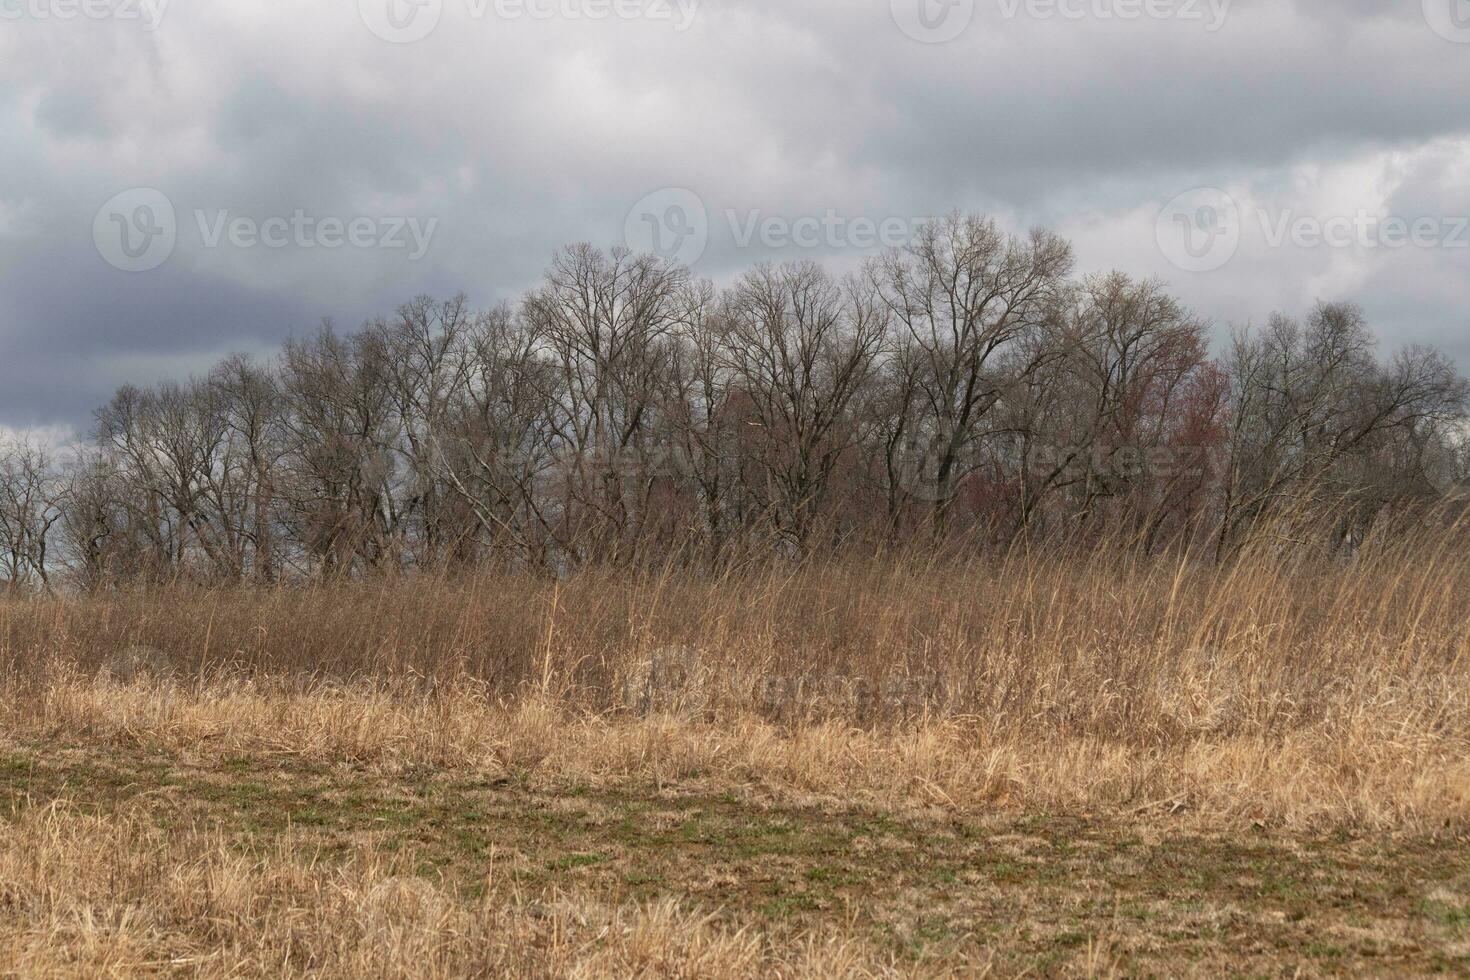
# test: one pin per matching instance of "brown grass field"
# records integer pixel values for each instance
(1018, 766)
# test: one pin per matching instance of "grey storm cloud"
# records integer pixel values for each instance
(288, 138)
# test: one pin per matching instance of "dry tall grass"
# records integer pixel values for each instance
(1290, 695)
(117, 897)
(1307, 692)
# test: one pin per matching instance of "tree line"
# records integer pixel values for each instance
(966, 391)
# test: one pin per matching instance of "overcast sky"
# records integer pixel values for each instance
(182, 180)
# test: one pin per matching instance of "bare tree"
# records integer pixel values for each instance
(347, 496)
(1308, 399)
(30, 507)
(964, 296)
(1123, 416)
(608, 322)
(626, 411)
(801, 347)
(95, 530)
(499, 436)
(252, 405)
(425, 363)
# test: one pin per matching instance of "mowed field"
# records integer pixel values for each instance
(1024, 766)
